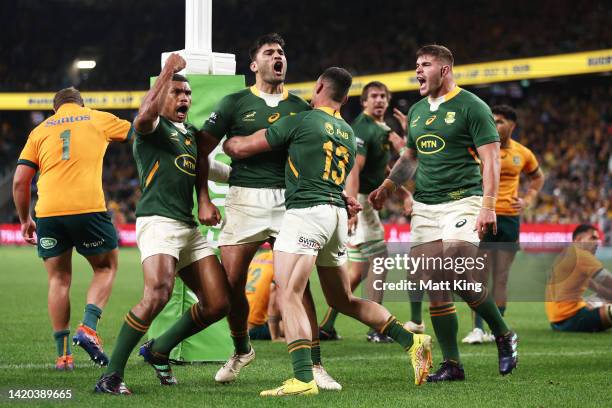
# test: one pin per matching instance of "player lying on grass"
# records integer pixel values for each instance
(575, 270)
(167, 235)
(454, 204)
(321, 152)
(67, 150)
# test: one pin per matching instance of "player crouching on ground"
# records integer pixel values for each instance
(168, 237)
(321, 152)
(575, 270)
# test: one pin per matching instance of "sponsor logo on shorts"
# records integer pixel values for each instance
(186, 163)
(48, 243)
(309, 243)
(430, 144)
(461, 223)
(94, 244)
(341, 253)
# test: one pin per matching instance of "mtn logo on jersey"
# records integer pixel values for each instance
(430, 144)
(309, 243)
(274, 117)
(186, 163)
(67, 119)
(249, 116)
(48, 243)
(450, 118)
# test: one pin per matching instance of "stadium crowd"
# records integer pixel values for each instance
(564, 121)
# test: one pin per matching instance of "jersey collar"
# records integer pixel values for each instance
(256, 92)
(68, 106)
(436, 102)
(330, 111)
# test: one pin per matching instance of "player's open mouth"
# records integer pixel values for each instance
(182, 110)
(421, 80)
(278, 68)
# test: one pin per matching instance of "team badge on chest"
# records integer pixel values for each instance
(450, 118)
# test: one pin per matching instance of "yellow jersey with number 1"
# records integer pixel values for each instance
(67, 149)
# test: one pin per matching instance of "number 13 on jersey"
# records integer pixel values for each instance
(339, 174)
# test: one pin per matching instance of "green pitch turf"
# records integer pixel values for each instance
(554, 370)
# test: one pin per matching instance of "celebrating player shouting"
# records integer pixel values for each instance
(255, 203)
(454, 205)
(321, 148)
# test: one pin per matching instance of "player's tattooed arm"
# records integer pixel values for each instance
(241, 147)
(403, 171)
(208, 214)
(153, 101)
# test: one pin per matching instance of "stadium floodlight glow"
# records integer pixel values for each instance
(85, 64)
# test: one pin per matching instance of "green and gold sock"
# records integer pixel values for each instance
(190, 323)
(394, 329)
(444, 322)
(131, 332)
(301, 359)
(242, 342)
(315, 352)
(92, 315)
(62, 342)
(487, 309)
(329, 320)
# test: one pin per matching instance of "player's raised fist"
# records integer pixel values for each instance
(175, 62)
(209, 214)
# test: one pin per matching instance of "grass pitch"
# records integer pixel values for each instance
(555, 369)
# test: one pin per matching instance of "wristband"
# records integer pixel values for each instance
(488, 202)
(389, 184)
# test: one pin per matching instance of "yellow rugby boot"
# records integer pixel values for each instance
(291, 387)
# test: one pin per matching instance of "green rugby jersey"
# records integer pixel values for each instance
(446, 140)
(373, 143)
(321, 148)
(243, 113)
(166, 162)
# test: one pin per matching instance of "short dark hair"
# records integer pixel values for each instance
(374, 84)
(179, 78)
(581, 229)
(271, 38)
(438, 51)
(67, 95)
(339, 80)
(506, 111)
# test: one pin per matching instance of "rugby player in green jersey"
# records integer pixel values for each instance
(167, 235)
(366, 233)
(321, 151)
(454, 204)
(255, 203)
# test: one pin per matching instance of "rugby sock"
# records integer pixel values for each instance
(394, 329)
(416, 312)
(315, 352)
(486, 307)
(329, 321)
(62, 342)
(131, 332)
(301, 359)
(444, 322)
(242, 342)
(478, 322)
(190, 323)
(92, 315)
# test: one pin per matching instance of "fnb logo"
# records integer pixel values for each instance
(429, 144)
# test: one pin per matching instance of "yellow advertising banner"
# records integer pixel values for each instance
(487, 72)
(589, 62)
